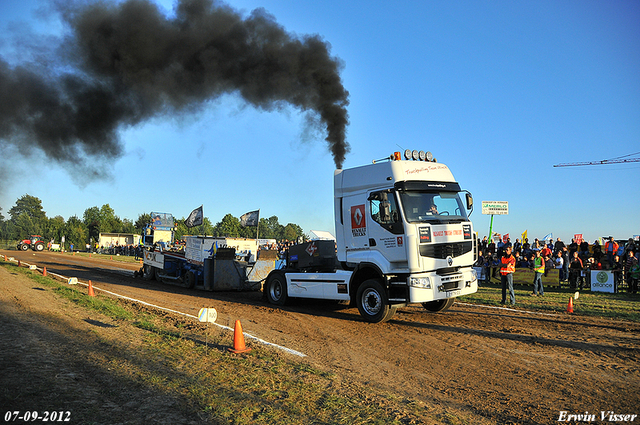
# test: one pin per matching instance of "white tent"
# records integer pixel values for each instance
(322, 235)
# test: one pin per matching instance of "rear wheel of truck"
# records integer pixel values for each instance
(439, 305)
(276, 289)
(148, 272)
(372, 302)
(190, 280)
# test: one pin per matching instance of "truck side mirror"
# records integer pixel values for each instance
(469, 201)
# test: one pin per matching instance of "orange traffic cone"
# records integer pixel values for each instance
(238, 340)
(91, 293)
(44, 271)
(570, 306)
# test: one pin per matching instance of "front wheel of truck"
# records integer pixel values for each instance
(439, 305)
(372, 302)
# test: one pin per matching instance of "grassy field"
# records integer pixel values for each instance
(621, 305)
(109, 257)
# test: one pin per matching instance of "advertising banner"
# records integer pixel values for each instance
(495, 207)
(602, 281)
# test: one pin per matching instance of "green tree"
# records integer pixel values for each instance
(3, 227)
(229, 226)
(24, 226)
(76, 233)
(181, 229)
(205, 229)
(127, 226)
(9, 231)
(292, 232)
(109, 221)
(55, 229)
(104, 220)
(31, 207)
(272, 229)
(92, 221)
(142, 221)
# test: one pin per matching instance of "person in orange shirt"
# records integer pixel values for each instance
(507, 268)
(611, 247)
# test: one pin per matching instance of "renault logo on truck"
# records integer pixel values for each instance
(358, 222)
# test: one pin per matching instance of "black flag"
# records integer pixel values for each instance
(195, 218)
(250, 218)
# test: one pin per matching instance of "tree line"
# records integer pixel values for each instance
(27, 218)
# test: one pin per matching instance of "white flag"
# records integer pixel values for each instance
(250, 218)
(195, 218)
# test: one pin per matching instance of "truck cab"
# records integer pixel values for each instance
(403, 236)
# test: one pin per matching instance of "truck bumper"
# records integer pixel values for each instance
(425, 287)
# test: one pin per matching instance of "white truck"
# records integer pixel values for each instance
(402, 236)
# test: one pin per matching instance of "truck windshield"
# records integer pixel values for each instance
(423, 206)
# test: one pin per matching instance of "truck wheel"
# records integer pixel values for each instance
(39, 247)
(276, 289)
(149, 272)
(439, 305)
(372, 302)
(190, 280)
(24, 247)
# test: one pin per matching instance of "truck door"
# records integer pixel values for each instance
(356, 222)
(386, 232)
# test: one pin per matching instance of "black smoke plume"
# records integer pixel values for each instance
(123, 63)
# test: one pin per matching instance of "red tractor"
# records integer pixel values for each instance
(34, 242)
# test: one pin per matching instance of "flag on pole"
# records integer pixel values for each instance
(547, 237)
(195, 218)
(214, 249)
(250, 219)
(524, 236)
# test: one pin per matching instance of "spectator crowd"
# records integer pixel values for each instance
(572, 261)
(117, 249)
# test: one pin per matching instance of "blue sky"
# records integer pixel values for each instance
(500, 91)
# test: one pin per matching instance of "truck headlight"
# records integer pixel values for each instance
(420, 282)
(474, 277)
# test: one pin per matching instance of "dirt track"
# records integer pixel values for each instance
(485, 365)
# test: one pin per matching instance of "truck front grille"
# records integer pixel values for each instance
(450, 286)
(444, 250)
